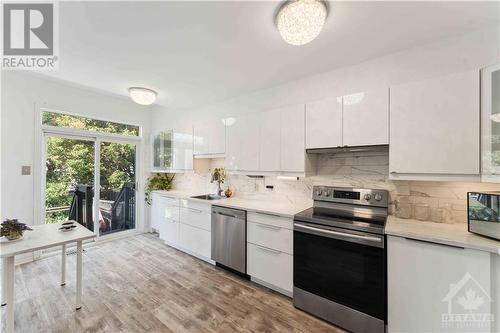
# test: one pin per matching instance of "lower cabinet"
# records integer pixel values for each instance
(271, 267)
(270, 251)
(431, 286)
(169, 231)
(195, 240)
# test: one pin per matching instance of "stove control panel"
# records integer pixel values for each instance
(367, 197)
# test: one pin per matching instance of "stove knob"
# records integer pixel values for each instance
(318, 192)
(378, 196)
(368, 197)
(328, 193)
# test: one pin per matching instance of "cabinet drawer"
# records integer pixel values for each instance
(195, 240)
(196, 218)
(204, 207)
(271, 219)
(270, 266)
(169, 231)
(270, 236)
(167, 201)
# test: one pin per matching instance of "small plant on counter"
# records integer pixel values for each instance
(159, 182)
(219, 176)
(13, 229)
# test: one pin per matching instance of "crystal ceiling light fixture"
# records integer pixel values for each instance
(143, 96)
(300, 21)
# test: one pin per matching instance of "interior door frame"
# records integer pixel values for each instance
(45, 131)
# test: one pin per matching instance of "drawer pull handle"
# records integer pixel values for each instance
(265, 226)
(265, 249)
(195, 210)
(268, 214)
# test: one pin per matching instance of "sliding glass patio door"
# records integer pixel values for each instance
(117, 187)
(91, 180)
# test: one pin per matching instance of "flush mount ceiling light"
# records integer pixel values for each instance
(301, 21)
(143, 96)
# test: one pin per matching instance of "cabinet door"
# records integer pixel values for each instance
(242, 143)
(169, 231)
(293, 139)
(201, 133)
(270, 140)
(434, 126)
(366, 118)
(195, 240)
(183, 148)
(490, 105)
(427, 281)
(324, 123)
(162, 151)
(217, 137)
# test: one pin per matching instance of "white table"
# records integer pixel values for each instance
(41, 237)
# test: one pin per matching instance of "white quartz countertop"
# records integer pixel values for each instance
(442, 233)
(252, 203)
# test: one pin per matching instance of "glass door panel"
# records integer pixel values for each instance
(490, 104)
(117, 187)
(69, 180)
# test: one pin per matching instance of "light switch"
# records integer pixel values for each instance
(26, 170)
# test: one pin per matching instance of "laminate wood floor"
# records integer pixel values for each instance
(138, 284)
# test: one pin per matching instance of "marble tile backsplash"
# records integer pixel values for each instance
(439, 201)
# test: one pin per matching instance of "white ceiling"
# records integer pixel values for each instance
(197, 53)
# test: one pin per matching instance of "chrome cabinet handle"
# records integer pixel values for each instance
(434, 243)
(265, 226)
(268, 214)
(265, 249)
(194, 210)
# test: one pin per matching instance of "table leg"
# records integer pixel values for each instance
(9, 292)
(63, 265)
(4, 281)
(79, 264)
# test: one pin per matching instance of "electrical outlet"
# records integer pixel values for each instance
(26, 170)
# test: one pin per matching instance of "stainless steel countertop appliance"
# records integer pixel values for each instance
(229, 238)
(340, 260)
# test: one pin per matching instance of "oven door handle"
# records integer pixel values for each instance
(348, 237)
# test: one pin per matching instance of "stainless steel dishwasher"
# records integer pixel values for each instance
(229, 238)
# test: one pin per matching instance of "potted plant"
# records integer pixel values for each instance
(12, 229)
(219, 176)
(159, 182)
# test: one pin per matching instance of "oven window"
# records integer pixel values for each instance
(347, 273)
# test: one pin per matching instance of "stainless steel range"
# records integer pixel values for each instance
(339, 271)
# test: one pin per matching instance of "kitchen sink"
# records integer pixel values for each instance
(208, 197)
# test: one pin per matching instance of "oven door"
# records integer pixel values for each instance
(344, 266)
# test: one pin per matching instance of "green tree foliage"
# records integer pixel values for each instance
(71, 162)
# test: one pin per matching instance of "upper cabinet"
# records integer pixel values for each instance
(365, 118)
(293, 139)
(434, 128)
(172, 150)
(490, 105)
(210, 138)
(272, 141)
(242, 143)
(324, 123)
(357, 119)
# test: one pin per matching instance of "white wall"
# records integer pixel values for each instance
(471, 51)
(22, 93)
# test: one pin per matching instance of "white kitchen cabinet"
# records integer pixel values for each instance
(242, 143)
(195, 240)
(324, 123)
(169, 231)
(172, 150)
(490, 127)
(270, 141)
(434, 128)
(270, 251)
(195, 214)
(271, 267)
(210, 138)
(427, 281)
(365, 118)
(293, 139)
